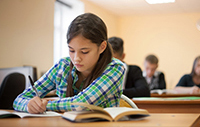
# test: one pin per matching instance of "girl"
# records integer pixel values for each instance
(89, 75)
(190, 83)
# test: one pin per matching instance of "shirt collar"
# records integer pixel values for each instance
(154, 75)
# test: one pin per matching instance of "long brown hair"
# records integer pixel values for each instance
(194, 64)
(93, 28)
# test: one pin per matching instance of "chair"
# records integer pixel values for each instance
(126, 102)
(25, 70)
(12, 85)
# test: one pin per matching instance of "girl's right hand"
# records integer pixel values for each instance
(37, 105)
(194, 90)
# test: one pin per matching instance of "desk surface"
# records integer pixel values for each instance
(167, 120)
(168, 102)
(169, 106)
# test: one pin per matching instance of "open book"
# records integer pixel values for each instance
(163, 91)
(4, 114)
(159, 91)
(96, 113)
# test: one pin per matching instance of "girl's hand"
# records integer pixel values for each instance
(194, 90)
(37, 105)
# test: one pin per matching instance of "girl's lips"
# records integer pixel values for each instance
(78, 65)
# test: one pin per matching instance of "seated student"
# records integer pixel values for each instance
(134, 84)
(89, 75)
(155, 79)
(190, 83)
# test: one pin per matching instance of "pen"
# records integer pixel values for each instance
(32, 84)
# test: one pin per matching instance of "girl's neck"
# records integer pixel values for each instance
(196, 79)
(196, 76)
(82, 76)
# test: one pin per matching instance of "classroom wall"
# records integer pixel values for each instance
(26, 36)
(26, 33)
(111, 20)
(174, 38)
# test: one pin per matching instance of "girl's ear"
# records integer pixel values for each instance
(103, 46)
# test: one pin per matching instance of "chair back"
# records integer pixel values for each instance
(126, 102)
(12, 85)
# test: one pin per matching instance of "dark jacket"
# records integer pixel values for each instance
(158, 81)
(135, 84)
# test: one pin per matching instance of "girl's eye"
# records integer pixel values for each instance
(85, 52)
(71, 51)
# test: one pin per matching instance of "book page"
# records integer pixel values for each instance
(119, 112)
(115, 111)
(92, 107)
(4, 114)
(85, 116)
(47, 114)
(159, 91)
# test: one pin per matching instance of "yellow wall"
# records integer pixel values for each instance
(109, 18)
(26, 36)
(26, 33)
(174, 38)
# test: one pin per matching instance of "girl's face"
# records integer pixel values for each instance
(197, 68)
(84, 54)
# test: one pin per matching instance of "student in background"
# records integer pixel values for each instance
(190, 83)
(89, 75)
(134, 84)
(155, 79)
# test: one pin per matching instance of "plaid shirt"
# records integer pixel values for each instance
(105, 91)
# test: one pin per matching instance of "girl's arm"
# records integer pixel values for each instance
(183, 88)
(21, 102)
(44, 85)
(187, 90)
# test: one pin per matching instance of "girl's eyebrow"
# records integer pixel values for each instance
(70, 47)
(81, 48)
(84, 48)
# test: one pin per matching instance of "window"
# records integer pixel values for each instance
(65, 11)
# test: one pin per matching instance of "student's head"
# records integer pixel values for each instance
(196, 67)
(117, 46)
(88, 48)
(150, 65)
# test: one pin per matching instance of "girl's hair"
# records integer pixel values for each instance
(93, 28)
(194, 64)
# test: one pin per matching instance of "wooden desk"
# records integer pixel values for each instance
(169, 106)
(173, 95)
(161, 120)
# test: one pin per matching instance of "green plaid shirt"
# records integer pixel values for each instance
(105, 91)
